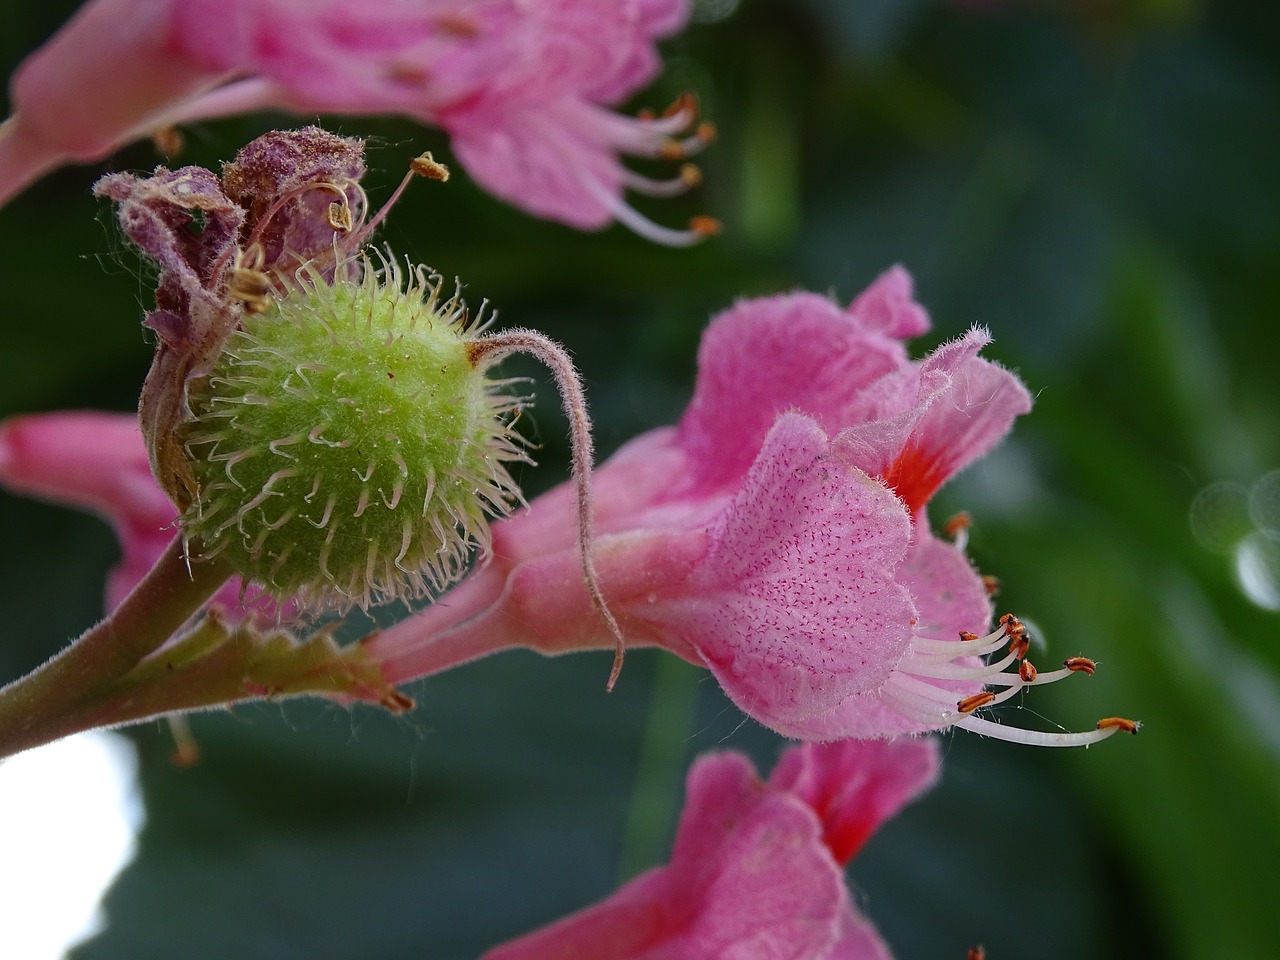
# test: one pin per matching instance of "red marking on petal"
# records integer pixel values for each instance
(845, 839)
(916, 475)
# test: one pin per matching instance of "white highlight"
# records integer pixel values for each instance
(69, 818)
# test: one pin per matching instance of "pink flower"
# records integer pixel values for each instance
(525, 89)
(756, 869)
(778, 534)
(98, 462)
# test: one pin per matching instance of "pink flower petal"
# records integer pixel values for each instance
(856, 785)
(752, 876)
(763, 357)
(749, 878)
(922, 425)
(526, 90)
(796, 607)
(98, 462)
(889, 305)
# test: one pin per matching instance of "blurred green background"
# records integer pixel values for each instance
(1099, 183)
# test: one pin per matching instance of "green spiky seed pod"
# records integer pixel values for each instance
(348, 447)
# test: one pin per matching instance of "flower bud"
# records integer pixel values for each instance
(348, 445)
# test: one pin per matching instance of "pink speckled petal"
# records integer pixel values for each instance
(797, 606)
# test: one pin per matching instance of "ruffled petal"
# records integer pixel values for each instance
(762, 357)
(749, 879)
(856, 785)
(889, 305)
(919, 427)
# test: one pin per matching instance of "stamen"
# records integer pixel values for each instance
(945, 650)
(912, 691)
(423, 165)
(1034, 738)
(689, 177)
(700, 228)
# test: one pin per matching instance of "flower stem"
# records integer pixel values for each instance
(41, 706)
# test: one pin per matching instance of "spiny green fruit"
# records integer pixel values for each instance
(348, 445)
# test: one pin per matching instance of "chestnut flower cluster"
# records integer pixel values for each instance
(322, 427)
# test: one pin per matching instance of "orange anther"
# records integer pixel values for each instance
(690, 175)
(706, 131)
(970, 704)
(1080, 664)
(1027, 671)
(966, 635)
(1119, 723)
(990, 584)
(672, 150)
(977, 953)
(168, 140)
(705, 226)
(961, 521)
(687, 101)
(1019, 646)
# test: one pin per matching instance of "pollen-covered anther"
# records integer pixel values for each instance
(425, 165)
(339, 217)
(247, 283)
(990, 584)
(168, 140)
(967, 636)
(1080, 665)
(970, 704)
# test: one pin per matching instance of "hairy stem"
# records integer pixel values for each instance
(41, 706)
